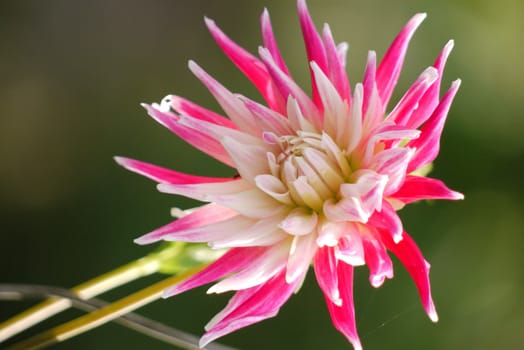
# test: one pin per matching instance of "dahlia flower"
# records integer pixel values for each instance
(319, 179)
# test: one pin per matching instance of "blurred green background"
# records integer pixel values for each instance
(72, 75)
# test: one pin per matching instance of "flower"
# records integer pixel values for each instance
(319, 180)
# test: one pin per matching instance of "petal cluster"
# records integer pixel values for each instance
(320, 178)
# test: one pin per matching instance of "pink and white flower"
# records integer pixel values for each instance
(320, 179)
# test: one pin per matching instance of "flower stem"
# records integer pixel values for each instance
(97, 318)
(98, 285)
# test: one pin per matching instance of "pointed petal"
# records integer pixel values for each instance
(410, 102)
(343, 316)
(223, 230)
(230, 103)
(354, 126)
(315, 49)
(164, 175)
(268, 119)
(217, 132)
(410, 256)
(369, 81)
(205, 191)
(200, 217)
(333, 106)
(248, 64)
(337, 71)
(250, 306)
(197, 139)
(325, 265)
(391, 65)
(184, 106)
(233, 260)
(428, 144)
(270, 43)
(263, 232)
(430, 99)
(417, 188)
(288, 87)
(261, 269)
(240, 197)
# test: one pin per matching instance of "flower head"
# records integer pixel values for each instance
(320, 179)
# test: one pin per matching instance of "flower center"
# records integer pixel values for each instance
(310, 169)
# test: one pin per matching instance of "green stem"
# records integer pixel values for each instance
(104, 315)
(98, 285)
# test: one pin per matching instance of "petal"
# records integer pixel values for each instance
(300, 221)
(248, 64)
(233, 107)
(196, 138)
(184, 106)
(250, 306)
(217, 132)
(377, 259)
(349, 248)
(354, 126)
(268, 119)
(343, 316)
(430, 99)
(205, 191)
(261, 269)
(410, 102)
(250, 160)
(325, 265)
(428, 144)
(274, 187)
(263, 232)
(164, 175)
(360, 199)
(333, 106)
(288, 87)
(329, 231)
(410, 256)
(270, 43)
(200, 217)
(250, 202)
(417, 188)
(302, 251)
(337, 71)
(388, 220)
(314, 46)
(391, 65)
(233, 260)
(393, 163)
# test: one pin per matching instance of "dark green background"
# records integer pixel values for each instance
(72, 75)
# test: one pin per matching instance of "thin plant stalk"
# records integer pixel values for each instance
(99, 317)
(136, 269)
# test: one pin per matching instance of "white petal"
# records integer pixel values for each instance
(259, 271)
(302, 252)
(300, 221)
(250, 160)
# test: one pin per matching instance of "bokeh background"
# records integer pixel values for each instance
(72, 75)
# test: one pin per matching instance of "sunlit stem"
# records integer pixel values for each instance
(104, 315)
(98, 285)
